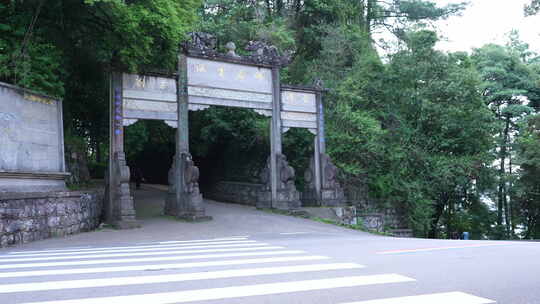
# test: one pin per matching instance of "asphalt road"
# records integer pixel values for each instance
(249, 256)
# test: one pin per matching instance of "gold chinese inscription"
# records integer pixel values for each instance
(200, 68)
(221, 72)
(241, 75)
(259, 75)
(37, 98)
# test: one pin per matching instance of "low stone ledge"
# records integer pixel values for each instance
(11, 181)
(235, 192)
(37, 195)
(404, 233)
(26, 217)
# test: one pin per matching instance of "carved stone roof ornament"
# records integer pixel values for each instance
(201, 43)
(231, 50)
(205, 45)
(264, 53)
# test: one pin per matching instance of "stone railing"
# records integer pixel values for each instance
(26, 217)
(234, 192)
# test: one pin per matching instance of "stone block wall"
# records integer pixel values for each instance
(26, 217)
(234, 192)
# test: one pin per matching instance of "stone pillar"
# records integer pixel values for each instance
(188, 202)
(120, 210)
(275, 135)
(322, 187)
(277, 177)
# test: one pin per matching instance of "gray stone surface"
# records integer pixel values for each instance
(31, 141)
(288, 198)
(29, 131)
(234, 192)
(332, 193)
(26, 217)
(373, 221)
(189, 203)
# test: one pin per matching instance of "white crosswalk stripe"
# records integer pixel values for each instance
(157, 259)
(128, 249)
(142, 252)
(241, 291)
(188, 271)
(160, 244)
(192, 276)
(438, 298)
(159, 266)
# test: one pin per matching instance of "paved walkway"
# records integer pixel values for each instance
(228, 220)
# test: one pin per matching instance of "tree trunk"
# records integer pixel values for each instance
(98, 152)
(438, 213)
(369, 16)
(505, 189)
(502, 181)
(279, 7)
(512, 226)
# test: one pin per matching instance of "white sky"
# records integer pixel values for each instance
(488, 21)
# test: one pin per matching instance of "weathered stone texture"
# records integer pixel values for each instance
(26, 217)
(235, 192)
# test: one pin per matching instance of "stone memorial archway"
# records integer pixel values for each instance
(206, 78)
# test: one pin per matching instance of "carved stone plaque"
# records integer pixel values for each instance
(149, 97)
(229, 84)
(298, 109)
(298, 101)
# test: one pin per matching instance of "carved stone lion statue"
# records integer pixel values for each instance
(285, 172)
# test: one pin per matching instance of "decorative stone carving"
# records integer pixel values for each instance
(191, 177)
(287, 197)
(171, 123)
(191, 205)
(128, 122)
(203, 43)
(264, 53)
(330, 173)
(267, 113)
(231, 50)
(332, 193)
(197, 107)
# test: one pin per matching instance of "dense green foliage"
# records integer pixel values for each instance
(447, 142)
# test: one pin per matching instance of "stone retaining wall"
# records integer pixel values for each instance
(234, 192)
(26, 217)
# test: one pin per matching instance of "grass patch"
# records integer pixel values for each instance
(304, 214)
(104, 226)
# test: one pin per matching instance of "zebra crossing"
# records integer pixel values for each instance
(190, 271)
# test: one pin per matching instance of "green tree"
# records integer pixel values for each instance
(508, 82)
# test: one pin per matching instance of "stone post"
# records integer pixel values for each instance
(188, 202)
(275, 133)
(120, 209)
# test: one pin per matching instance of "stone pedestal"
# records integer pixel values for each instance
(288, 198)
(123, 208)
(188, 204)
(332, 195)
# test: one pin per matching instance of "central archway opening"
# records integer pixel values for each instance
(230, 146)
(150, 148)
